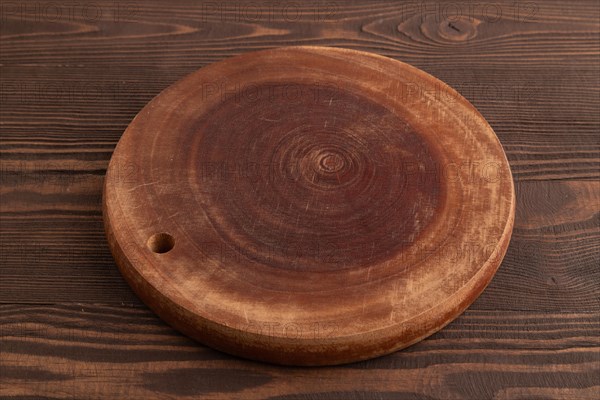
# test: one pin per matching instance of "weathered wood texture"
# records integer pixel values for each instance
(71, 84)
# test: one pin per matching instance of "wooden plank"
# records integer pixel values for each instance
(184, 32)
(69, 119)
(54, 249)
(92, 351)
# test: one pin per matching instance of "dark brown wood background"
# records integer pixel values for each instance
(73, 76)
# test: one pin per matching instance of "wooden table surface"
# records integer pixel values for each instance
(73, 75)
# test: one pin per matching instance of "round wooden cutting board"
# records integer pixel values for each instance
(308, 205)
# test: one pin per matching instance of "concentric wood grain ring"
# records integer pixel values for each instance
(308, 205)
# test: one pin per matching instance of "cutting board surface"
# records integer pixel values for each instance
(308, 205)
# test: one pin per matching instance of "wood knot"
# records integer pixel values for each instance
(447, 30)
(460, 29)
